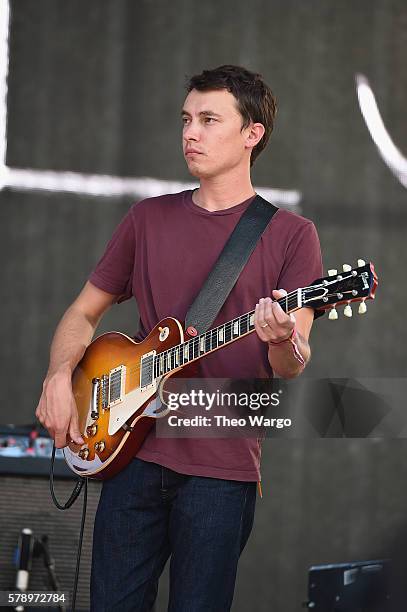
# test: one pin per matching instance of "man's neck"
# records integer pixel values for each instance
(221, 193)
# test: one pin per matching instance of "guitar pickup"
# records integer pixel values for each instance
(117, 385)
(147, 378)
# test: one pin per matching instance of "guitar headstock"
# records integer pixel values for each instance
(351, 285)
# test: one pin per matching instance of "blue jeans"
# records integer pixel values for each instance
(147, 513)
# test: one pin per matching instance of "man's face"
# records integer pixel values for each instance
(213, 139)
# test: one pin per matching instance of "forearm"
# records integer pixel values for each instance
(56, 408)
(72, 335)
(285, 360)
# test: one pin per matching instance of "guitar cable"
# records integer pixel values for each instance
(81, 482)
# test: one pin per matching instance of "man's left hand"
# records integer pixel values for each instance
(272, 324)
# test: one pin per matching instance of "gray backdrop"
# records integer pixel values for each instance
(97, 88)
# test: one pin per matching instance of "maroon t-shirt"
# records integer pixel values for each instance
(161, 253)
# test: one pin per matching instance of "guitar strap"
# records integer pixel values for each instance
(230, 263)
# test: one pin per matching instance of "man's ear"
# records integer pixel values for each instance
(255, 134)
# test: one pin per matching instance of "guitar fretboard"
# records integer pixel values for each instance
(214, 338)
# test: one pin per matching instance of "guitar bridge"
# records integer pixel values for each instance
(95, 398)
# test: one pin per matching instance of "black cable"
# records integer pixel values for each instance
(74, 495)
(78, 560)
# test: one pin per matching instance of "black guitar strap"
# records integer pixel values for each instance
(230, 263)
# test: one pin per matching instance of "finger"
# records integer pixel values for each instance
(69, 440)
(265, 316)
(256, 313)
(74, 430)
(281, 317)
(274, 324)
(284, 328)
(280, 299)
(44, 418)
(280, 324)
(60, 438)
(259, 321)
(260, 311)
(268, 311)
(75, 434)
(268, 320)
(279, 293)
(41, 410)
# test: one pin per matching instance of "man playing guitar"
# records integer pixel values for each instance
(191, 499)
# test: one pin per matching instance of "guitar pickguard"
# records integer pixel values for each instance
(132, 401)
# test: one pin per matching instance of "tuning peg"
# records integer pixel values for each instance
(346, 268)
(362, 307)
(332, 272)
(347, 311)
(333, 314)
(361, 262)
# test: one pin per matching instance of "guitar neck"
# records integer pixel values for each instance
(351, 285)
(215, 338)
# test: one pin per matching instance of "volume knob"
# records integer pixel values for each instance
(91, 430)
(84, 453)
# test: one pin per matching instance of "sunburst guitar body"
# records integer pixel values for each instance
(116, 410)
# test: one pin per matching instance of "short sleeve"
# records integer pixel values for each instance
(303, 260)
(114, 271)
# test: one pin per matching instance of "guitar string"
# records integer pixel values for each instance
(193, 345)
(289, 302)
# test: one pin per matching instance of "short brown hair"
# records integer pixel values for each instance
(255, 100)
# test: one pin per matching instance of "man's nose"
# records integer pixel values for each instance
(191, 131)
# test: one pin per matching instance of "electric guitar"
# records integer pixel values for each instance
(118, 383)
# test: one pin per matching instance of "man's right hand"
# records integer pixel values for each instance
(57, 410)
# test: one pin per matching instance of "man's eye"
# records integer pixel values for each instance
(209, 119)
(184, 119)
